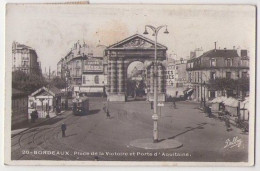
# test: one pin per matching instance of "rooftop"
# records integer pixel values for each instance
(220, 53)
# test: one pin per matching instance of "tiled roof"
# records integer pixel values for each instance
(220, 53)
(49, 90)
(21, 46)
(55, 90)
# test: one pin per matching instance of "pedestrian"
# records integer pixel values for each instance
(174, 103)
(34, 115)
(151, 105)
(209, 112)
(105, 108)
(227, 121)
(63, 129)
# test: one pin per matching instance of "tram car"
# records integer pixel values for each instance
(80, 106)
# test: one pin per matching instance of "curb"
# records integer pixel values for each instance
(12, 136)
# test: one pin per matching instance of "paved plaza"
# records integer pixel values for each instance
(94, 137)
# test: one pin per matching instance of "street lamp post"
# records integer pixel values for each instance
(201, 99)
(204, 85)
(155, 101)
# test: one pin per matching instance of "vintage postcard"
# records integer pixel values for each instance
(130, 84)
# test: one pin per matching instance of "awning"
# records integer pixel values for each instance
(90, 89)
(245, 104)
(190, 90)
(219, 99)
(231, 102)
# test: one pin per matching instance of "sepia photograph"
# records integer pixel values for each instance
(114, 84)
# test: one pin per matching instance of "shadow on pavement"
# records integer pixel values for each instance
(92, 112)
(51, 121)
(70, 135)
(200, 126)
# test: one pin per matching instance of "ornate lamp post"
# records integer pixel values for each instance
(155, 101)
(204, 85)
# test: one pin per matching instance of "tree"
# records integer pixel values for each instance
(27, 82)
(222, 84)
(243, 84)
(58, 82)
(225, 84)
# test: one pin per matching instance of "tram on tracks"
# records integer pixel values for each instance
(80, 106)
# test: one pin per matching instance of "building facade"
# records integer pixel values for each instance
(216, 63)
(176, 77)
(25, 59)
(85, 71)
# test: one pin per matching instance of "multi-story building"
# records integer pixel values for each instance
(216, 63)
(25, 59)
(60, 68)
(176, 75)
(87, 70)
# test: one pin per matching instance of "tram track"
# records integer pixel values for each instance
(24, 140)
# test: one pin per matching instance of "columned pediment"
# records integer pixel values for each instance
(136, 42)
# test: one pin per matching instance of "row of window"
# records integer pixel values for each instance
(96, 79)
(213, 63)
(213, 76)
(228, 62)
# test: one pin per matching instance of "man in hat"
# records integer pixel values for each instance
(63, 129)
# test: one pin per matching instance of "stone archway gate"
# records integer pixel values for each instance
(121, 54)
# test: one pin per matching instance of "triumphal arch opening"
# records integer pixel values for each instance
(122, 54)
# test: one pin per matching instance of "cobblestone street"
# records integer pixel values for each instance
(94, 137)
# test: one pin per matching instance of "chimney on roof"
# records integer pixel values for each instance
(215, 45)
(243, 53)
(239, 51)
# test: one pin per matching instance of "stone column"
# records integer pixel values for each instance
(125, 76)
(113, 78)
(121, 78)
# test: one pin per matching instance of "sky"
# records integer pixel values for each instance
(53, 29)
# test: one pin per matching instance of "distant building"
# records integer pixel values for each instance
(84, 69)
(49, 75)
(176, 75)
(196, 53)
(221, 63)
(19, 107)
(25, 59)
(60, 68)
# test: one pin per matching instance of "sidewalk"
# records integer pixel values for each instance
(28, 125)
(215, 115)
